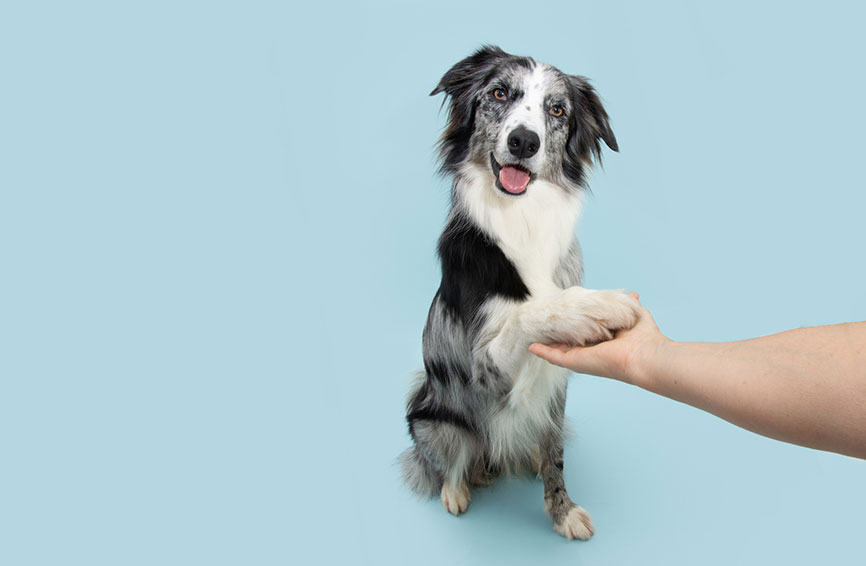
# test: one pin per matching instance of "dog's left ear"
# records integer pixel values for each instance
(591, 122)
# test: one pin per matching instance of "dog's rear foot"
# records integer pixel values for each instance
(455, 499)
(576, 524)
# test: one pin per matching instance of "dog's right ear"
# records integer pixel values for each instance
(466, 74)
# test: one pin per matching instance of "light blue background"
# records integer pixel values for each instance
(217, 227)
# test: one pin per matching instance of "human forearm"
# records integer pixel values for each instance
(805, 386)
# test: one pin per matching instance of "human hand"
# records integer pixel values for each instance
(620, 358)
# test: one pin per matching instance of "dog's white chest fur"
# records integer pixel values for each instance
(534, 232)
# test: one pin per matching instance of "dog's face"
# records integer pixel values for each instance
(522, 120)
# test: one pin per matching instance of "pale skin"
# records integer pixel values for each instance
(805, 386)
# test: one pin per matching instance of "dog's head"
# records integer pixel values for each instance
(522, 120)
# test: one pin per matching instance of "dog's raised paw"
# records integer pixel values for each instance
(455, 499)
(576, 525)
(585, 316)
(616, 310)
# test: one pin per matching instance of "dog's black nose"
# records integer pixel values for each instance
(523, 143)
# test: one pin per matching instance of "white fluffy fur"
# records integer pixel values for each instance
(455, 497)
(577, 525)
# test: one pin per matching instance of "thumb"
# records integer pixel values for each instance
(552, 354)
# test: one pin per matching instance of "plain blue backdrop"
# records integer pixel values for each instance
(217, 228)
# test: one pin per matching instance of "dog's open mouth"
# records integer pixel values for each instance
(511, 178)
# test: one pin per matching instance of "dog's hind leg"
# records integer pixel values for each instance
(449, 453)
(455, 488)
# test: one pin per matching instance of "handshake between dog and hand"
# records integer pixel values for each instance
(805, 386)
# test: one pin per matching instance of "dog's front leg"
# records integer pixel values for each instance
(569, 519)
(573, 316)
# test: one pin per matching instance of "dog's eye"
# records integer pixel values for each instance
(500, 94)
(556, 111)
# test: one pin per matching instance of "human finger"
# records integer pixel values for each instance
(551, 354)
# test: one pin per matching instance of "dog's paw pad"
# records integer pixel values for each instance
(577, 524)
(455, 499)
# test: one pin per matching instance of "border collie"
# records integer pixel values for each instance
(520, 138)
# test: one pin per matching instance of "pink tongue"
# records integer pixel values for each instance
(513, 179)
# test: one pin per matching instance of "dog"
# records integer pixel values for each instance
(519, 141)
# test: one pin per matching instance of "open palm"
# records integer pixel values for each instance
(615, 358)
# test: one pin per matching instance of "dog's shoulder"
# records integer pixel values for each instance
(474, 268)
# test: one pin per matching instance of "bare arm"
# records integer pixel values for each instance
(805, 386)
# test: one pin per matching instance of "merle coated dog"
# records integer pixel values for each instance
(520, 138)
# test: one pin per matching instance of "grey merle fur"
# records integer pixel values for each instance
(461, 386)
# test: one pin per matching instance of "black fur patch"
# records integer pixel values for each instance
(444, 371)
(589, 123)
(473, 269)
(422, 408)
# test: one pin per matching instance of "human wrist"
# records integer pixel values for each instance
(647, 360)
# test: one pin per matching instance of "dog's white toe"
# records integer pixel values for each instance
(455, 499)
(577, 524)
(621, 310)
